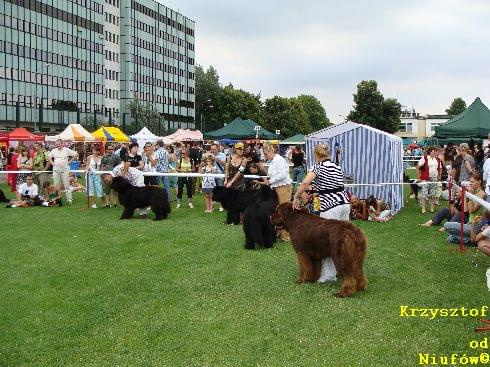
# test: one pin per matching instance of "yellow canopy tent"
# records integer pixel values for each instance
(110, 133)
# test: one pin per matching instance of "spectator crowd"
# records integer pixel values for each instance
(439, 173)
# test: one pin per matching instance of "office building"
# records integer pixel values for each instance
(67, 61)
(414, 126)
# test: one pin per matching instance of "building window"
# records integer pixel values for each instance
(406, 127)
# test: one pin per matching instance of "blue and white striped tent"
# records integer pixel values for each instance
(369, 155)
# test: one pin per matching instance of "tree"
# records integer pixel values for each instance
(391, 116)
(216, 105)
(207, 89)
(285, 114)
(317, 117)
(230, 103)
(457, 106)
(370, 108)
(88, 122)
(144, 115)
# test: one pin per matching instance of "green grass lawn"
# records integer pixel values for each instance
(83, 288)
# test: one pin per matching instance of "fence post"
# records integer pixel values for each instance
(461, 245)
(450, 189)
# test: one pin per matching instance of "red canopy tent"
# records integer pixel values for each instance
(22, 134)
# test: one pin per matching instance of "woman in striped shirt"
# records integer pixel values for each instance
(327, 180)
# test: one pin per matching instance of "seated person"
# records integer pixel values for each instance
(359, 209)
(51, 195)
(452, 214)
(474, 209)
(75, 185)
(379, 210)
(26, 194)
(480, 232)
(371, 209)
(3, 198)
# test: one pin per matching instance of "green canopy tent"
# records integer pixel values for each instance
(457, 141)
(240, 129)
(472, 123)
(297, 139)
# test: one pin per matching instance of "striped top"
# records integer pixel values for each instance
(329, 176)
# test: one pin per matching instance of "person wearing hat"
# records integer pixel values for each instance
(234, 177)
(235, 167)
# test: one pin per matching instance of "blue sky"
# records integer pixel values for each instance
(424, 53)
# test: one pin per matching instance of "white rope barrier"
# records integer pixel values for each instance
(154, 174)
(395, 183)
(221, 175)
(35, 172)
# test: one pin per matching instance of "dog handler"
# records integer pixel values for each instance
(133, 175)
(327, 179)
(279, 179)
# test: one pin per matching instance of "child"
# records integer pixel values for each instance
(208, 183)
(51, 195)
(75, 185)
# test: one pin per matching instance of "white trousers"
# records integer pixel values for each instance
(62, 177)
(340, 212)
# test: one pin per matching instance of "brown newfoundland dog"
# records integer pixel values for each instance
(315, 238)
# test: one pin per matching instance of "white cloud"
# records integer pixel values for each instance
(424, 53)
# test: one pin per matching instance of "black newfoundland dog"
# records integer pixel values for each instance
(132, 197)
(234, 201)
(257, 226)
(257, 206)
